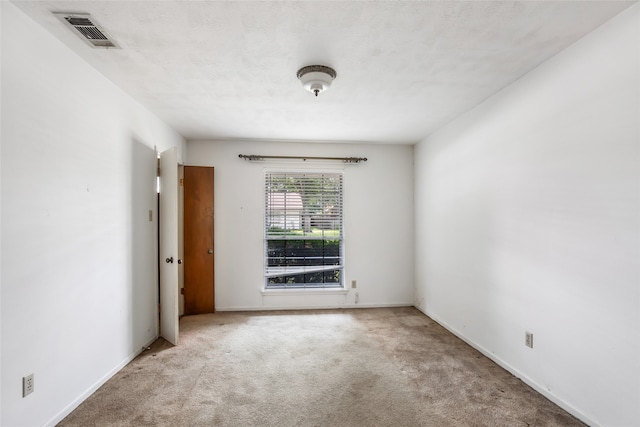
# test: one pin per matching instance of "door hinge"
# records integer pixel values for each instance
(181, 182)
(182, 291)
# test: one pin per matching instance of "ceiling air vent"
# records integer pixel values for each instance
(86, 27)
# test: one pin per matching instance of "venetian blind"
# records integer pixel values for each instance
(303, 230)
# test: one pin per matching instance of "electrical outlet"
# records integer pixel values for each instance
(353, 284)
(27, 385)
(528, 339)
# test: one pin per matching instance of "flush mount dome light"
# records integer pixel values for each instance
(316, 78)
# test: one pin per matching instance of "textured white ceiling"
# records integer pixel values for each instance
(216, 70)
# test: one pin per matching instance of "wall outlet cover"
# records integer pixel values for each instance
(27, 385)
(528, 339)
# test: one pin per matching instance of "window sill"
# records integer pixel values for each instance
(307, 291)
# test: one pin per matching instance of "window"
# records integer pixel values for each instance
(303, 230)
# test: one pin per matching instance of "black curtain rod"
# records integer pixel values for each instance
(304, 158)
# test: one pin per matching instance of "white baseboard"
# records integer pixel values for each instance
(324, 307)
(517, 373)
(73, 405)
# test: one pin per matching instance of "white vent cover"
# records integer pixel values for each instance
(86, 27)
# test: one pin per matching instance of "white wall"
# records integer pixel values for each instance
(378, 223)
(1, 9)
(527, 219)
(78, 277)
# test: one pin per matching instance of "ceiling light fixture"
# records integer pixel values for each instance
(316, 78)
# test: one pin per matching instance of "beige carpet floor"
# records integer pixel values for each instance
(365, 367)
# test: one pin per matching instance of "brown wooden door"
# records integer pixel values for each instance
(198, 240)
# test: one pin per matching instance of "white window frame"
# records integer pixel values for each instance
(272, 271)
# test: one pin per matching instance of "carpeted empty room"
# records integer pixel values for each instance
(352, 367)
